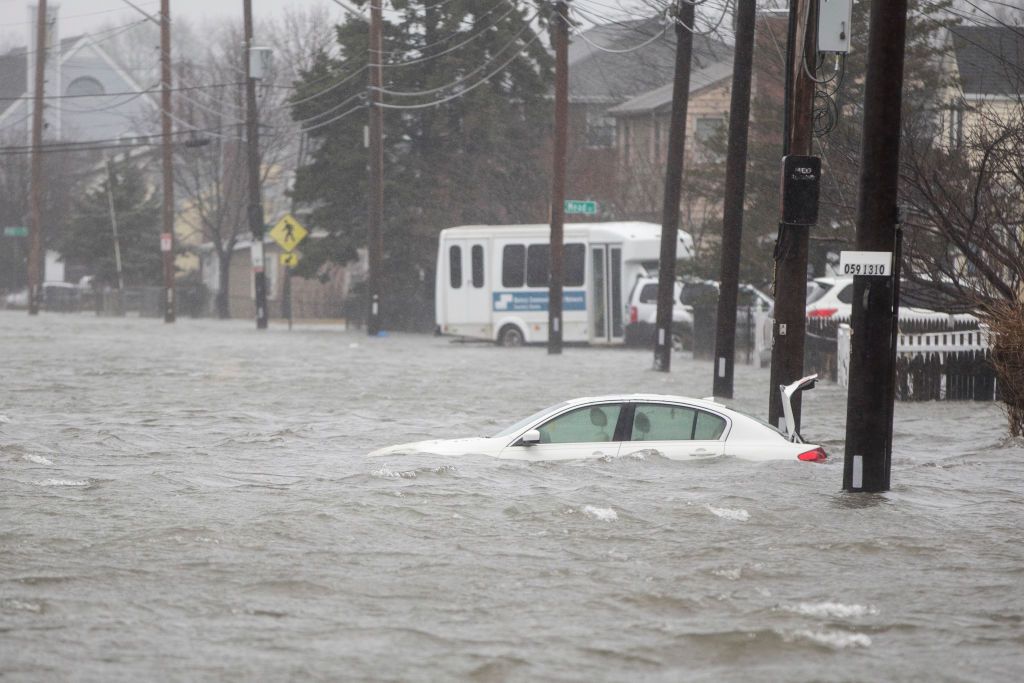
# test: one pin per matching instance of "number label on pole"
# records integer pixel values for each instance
(166, 241)
(865, 263)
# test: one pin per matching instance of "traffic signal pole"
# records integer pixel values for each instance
(252, 138)
(560, 40)
(867, 462)
(790, 323)
(735, 184)
(684, 17)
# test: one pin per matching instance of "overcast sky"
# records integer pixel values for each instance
(80, 16)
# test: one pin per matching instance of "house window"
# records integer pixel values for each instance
(85, 86)
(956, 127)
(600, 129)
(709, 130)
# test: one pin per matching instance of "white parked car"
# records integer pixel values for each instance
(830, 297)
(673, 427)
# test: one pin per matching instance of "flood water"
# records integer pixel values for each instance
(194, 502)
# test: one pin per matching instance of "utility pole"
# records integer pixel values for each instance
(683, 16)
(35, 251)
(167, 238)
(791, 245)
(735, 186)
(113, 226)
(374, 237)
(867, 462)
(252, 139)
(560, 42)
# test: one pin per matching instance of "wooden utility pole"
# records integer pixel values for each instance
(735, 186)
(791, 244)
(867, 462)
(684, 17)
(35, 251)
(560, 42)
(252, 139)
(374, 237)
(167, 214)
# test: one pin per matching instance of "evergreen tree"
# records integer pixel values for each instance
(474, 157)
(89, 238)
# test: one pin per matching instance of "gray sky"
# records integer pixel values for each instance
(80, 16)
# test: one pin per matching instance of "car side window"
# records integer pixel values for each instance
(582, 425)
(658, 422)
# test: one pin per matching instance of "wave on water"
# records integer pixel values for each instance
(64, 482)
(837, 640)
(4, 419)
(738, 515)
(833, 610)
(385, 472)
(37, 459)
(602, 514)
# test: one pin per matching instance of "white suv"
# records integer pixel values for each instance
(642, 311)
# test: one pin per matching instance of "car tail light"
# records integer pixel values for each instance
(817, 455)
(822, 312)
(634, 315)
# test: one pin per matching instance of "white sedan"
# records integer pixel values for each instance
(673, 427)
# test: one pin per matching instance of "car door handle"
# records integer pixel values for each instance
(700, 451)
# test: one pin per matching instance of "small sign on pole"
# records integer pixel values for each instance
(166, 241)
(289, 259)
(865, 263)
(16, 231)
(579, 206)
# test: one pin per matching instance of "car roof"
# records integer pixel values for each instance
(707, 403)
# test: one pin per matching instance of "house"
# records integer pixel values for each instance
(610, 65)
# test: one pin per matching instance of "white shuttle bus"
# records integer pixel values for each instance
(492, 280)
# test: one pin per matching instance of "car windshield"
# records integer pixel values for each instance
(512, 429)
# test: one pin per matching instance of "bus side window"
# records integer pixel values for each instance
(574, 264)
(513, 265)
(477, 258)
(455, 266)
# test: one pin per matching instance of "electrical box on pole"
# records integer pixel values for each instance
(801, 183)
(834, 17)
(261, 59)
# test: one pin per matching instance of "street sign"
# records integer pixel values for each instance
(16, 231)
(288, 232)
(165, 241)
(865, 263)
(289, 259)
(580, 206)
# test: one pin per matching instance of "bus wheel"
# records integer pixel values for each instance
(510, 335)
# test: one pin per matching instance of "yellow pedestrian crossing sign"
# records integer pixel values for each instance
(289, 259)
(288, 232)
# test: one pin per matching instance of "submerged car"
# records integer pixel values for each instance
(673, 427)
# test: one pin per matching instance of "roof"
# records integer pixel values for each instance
(597, 76)
(14, 72)
(990, 59)
(659, 98)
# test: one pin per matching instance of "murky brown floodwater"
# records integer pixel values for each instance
(193, 502)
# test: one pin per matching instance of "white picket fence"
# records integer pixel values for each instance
(914, 344)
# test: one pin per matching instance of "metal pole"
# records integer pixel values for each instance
(167, 239)
(791, 246)
(684, 14)
(35, 251)
(732, 214)
(374, 239)
(113, 225)
(867, 462)
(252, 138)
(560, 39)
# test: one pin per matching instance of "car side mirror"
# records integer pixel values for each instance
(530, 438)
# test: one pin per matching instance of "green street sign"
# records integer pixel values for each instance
(586, 208)
(18, 231)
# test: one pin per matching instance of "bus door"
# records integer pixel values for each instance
(467, 297)
(606, 293)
